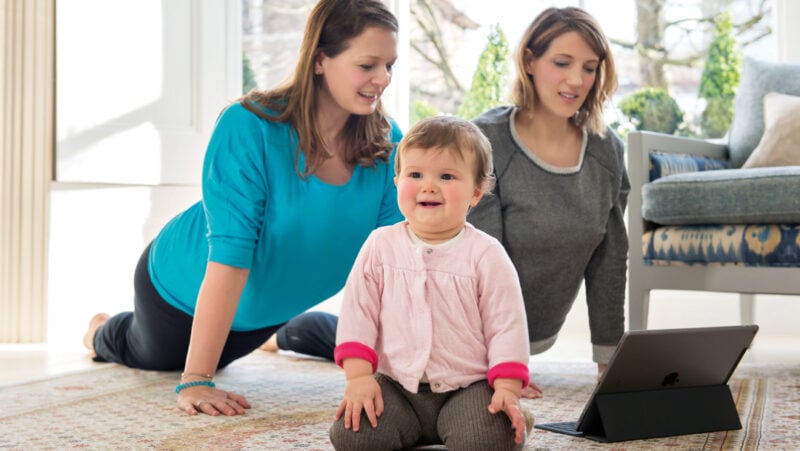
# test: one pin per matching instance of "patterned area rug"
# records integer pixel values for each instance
(294, 399)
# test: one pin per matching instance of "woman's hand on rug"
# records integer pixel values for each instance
(211, 401)
(532, 391)
(361, 393)
(506, 400)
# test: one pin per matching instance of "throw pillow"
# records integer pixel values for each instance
(758, 78)
(780, 144)
(664, 164)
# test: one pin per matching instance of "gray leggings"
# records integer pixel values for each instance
(459, 419)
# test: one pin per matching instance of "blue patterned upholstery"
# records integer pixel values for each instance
(774, 245)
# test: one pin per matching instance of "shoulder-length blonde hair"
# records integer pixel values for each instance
(329, 29)
(547, 26)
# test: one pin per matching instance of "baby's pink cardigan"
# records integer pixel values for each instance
(451, 312)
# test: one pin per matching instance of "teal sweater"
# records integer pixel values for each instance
(298, 237)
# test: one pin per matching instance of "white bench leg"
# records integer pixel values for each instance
(638, 306)
(747, 308)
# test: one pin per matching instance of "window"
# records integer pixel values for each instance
(139, 90)
(447, 39)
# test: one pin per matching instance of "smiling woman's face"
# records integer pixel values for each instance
(354, 80)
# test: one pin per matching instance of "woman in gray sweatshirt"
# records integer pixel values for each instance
(562, 186)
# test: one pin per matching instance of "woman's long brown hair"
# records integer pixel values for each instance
(329, 29)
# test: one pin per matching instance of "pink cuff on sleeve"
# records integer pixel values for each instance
(355, 349)
(509, 370)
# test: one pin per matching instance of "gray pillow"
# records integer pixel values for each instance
(747, 126)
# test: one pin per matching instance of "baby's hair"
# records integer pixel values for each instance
(455, 135)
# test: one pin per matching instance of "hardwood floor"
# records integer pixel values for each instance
(30, 362)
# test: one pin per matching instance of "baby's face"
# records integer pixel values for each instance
(435, 190)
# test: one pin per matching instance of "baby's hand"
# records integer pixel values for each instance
(508, 402)
(361, 393)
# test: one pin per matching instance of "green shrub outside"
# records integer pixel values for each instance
(652, 109)
(421, 109)
(490, 77)
(720, 79)
(248, 76)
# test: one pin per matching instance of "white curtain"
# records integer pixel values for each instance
(26, 131)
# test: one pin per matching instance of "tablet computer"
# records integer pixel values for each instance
(655, 371)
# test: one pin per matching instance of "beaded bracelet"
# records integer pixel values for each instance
(180, 387)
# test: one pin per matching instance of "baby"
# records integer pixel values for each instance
(433, 336)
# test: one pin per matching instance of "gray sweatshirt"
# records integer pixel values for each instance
(560, 226)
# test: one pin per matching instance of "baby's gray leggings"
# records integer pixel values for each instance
(459, 419)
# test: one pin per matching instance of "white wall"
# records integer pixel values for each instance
(97, 235)
(138, 92)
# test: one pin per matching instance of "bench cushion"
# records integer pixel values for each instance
(726, 196)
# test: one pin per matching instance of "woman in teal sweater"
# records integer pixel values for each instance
(294, 180)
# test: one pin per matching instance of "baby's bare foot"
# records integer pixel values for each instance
(270, 345)
(94, 324)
